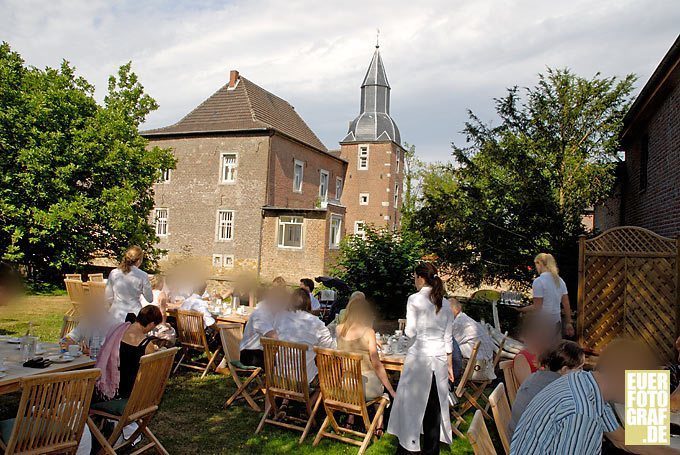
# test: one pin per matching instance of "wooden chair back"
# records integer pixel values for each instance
(479, 436)
(499, 352)
(96, 291)
(340, 380)
(70, 322)
(190, 331)
(231, 335)
(511, 383)
(74, 276)
(75, 290)
(285, 366)
(501, 414)
(96, 277)
(402, 324)
(469, 369)
(52, 412)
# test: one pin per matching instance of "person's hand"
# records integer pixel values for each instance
(452, 378)
(569, 329)
(392, 392)
(84, 348)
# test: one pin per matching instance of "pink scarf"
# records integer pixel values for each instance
(108, 360)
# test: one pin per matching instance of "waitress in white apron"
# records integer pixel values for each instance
(421, 405)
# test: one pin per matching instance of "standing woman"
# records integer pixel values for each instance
(550, 296)
(422, 405)
(126, 284)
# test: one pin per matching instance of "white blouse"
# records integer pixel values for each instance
(123, 292)
(432, 331)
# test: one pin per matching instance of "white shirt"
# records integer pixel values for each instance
(123, 291)
(195, 303)
(260, 323)
(90, 326)
(467, 332)
(155, 302)
(303, 327)
(431, 330)
(545, 287)
(316, 306)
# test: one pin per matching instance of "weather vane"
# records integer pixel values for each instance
(377, 38)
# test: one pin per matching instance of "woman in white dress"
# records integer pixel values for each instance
(127, 284)
(422, 405)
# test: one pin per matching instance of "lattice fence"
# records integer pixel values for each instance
(628, 286)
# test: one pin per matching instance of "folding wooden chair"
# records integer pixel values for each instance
(511, 383)
(96, 277)
(479, 386)
(285, 367)
(342, 390)
(76, 294)
(501, 414)
(467, 400)
(147, 392)
(74, 276)
(191, 337)
(52, 413)
(231, 335)
(479, 436)
(69, 323)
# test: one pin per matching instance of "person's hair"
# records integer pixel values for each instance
(548, 261)
(429, 273)
(279, 281)
(148, 315)
(309, 283)
(566, 354)
(358, 311)
(356, 294)
(157, 281)
(300, 301)
(133, 255)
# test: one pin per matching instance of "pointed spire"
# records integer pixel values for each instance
(376, 74)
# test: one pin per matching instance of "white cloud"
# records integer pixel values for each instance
(441, 56)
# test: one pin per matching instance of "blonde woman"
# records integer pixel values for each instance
(127, 284)
(550, 295)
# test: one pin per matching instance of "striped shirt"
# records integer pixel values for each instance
(568, 416)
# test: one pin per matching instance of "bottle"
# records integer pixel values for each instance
(95, 346)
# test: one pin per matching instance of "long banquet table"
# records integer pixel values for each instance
(16, 371)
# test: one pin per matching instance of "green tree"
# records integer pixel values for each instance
(76, 178)
(380, 265)
(521, 187)
(413, 168)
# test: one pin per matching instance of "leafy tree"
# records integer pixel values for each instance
(76, 177)
(413, 167)
(521, 187)
(380, 265)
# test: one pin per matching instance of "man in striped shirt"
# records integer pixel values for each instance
(571, 415)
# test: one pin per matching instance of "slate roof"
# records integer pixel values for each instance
(245, 107)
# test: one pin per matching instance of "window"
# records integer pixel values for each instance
(298, 173)
(335, 234)
(396, 194)
(217, 260)
(363, 198)
(161, 217)
(225, 225)
(324, 178)
(644, 161)
(229, 165)
(338, 187)
(398, 160)
(165, 176)
(359, 229)
(223, 261)
(290, 232)
(362, 163)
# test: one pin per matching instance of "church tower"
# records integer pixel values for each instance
(372, 147)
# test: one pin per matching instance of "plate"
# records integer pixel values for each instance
(61, 359)
(2, 375)
(14, 340)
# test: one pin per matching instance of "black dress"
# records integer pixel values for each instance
(130, 356)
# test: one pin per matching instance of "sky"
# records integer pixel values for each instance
(442, 57)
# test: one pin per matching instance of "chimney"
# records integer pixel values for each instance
(233, 78)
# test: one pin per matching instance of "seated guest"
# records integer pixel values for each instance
(467, 332)
(160, 297)
(95, 322)
(356, 334)
(195, 302)
(538, 337)
(261, 324)
(572, 414)
(308, 285)
(565, 358)
(299, 325)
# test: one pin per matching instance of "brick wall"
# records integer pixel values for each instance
(658, 206)
(379, 181)
(284, 154)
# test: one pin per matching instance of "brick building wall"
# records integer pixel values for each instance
(194, 194)
(656, 207)
(384, 175)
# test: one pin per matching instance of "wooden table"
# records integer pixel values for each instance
(393, 362)
(233, 317)
(620, 411)
(15, 371)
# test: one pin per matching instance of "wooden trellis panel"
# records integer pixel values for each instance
(628, 286)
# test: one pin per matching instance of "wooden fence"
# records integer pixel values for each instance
(628, 286)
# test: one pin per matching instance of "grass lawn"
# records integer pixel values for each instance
(191, 418)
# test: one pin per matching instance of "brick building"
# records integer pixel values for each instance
(648, 189)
